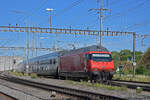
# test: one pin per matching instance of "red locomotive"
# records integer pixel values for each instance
(91, 62)
(94, 65)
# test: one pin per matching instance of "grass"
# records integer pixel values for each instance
(32, 75)
(16, 74)
(140, 78)
(109, 87)
(25, 74)
(98, 85)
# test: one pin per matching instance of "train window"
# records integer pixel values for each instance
(54, 61)
(101, 57)
(50, 61)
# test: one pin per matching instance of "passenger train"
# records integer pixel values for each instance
(90, 63)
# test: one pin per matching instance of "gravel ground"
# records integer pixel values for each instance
(130, 93)
(5, 97)
(24, 92)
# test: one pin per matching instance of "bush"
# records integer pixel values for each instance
(142, 71)
(139, 90)
(130, 71)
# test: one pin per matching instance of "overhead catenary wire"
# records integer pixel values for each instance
(69, 7)
(74, 4)
(64, 12)
(25, 15)
(81, 16)
(9, 41)
(123, 13)
(136, 25)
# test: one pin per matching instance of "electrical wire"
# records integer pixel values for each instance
(33, 11)
(133, 26)
(74, 4)
(123, 13)
(140, 24)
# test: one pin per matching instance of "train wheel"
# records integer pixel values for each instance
(90, 77)
(97, 79)
(94, 79)
(110, 77)
(100, 78)
(105, 76)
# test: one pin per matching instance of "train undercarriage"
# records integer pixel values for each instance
(101, 76)
(96, 76)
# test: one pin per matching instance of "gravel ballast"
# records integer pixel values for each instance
(130, 93)
(22, 92)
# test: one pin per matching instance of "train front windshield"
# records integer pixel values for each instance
(101, 57)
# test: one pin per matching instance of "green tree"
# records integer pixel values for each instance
(116, 58)
(142, 70)
(139, 55)
(125, 55)
(115, 55)
(146, 57)
(145, 61)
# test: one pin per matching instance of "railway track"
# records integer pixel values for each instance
(133, 81)
(75, 93)
(132, 84)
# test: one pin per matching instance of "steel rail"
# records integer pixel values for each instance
(132, 81)
(4, 78)
(132, 85)
(82, 94)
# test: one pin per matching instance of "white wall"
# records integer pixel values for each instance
(7, 62)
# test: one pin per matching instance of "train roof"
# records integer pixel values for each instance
(43, 57)
(67, 52)
(85, 49)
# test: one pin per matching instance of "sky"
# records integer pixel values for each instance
(122, 15)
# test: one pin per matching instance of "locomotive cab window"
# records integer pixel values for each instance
(101, 57)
